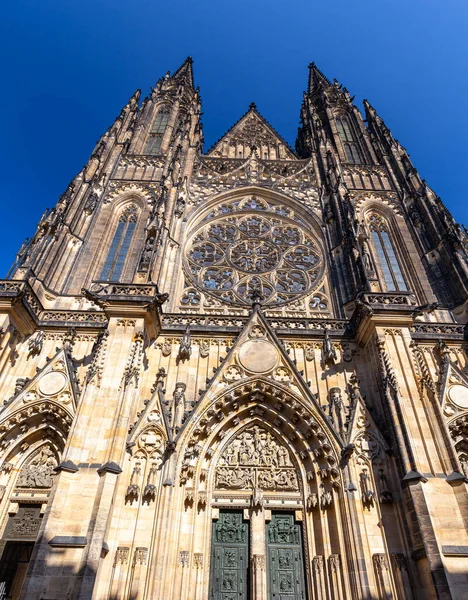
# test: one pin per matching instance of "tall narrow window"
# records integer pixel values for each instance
(156, 135)
(115, 261)
(386, 256)
(350, 144)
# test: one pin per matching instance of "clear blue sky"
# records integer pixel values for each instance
(69, 65)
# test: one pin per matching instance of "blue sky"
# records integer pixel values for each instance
(69, 66)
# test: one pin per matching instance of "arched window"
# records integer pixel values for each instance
(350, 145)
(120, 245)
(153, 146)
(386, 256)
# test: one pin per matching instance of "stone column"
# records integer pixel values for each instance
(318, 567)
(140, 559)
(257, 550)
(401, 577)
(383, 576)
(119, 571)
(336, 588)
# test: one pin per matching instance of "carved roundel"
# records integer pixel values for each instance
(231, 255)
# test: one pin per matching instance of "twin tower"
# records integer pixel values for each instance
(237, 374)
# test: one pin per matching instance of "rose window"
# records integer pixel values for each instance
(232, 255)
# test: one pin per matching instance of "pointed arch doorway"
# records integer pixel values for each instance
(257, 552)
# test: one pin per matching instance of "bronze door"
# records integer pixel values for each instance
(230, 557)
(285, 566)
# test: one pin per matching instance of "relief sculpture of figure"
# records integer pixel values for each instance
(39, 472)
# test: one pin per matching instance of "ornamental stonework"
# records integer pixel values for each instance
(260, 247)
(256, 460)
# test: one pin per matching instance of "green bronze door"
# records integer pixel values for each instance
(230, 557)
(285, 569)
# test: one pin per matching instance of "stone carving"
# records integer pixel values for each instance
(318, 564)
(39, 471)
(141, 556)
(150, 490)
(368, 495)
(204, 348)
(185, 348)
(329, 356)
(133, 489)
(198, 560)
(256, 460)
(147, 252)
(166, 348)
(230, 257)
(35, 344)
(121, 555)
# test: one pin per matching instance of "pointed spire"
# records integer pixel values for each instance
(184, 73)
(134, 100)
(371, 113)
(316, 79)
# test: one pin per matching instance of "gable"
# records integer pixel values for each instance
(252, 131)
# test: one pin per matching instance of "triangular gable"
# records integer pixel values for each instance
(363, 432)
(252, 130)
(55, 382)
(258, 353)
(154, 415)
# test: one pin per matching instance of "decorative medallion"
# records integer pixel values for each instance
(52, 383)
(258, 356)
(459, 395)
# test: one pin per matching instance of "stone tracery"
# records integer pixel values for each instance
(270, 250)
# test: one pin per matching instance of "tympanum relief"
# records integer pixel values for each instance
(256, 460)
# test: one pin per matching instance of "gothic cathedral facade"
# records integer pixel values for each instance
(240, 373)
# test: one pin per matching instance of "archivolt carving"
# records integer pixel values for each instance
(286, 415)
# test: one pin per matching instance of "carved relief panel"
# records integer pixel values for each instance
(256, 460)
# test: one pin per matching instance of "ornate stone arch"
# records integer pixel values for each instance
(42, 420)
(132, 208)
(390, 214)
(289, 418)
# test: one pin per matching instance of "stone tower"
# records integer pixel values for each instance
(238, 374)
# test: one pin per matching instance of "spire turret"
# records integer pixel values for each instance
(184, 74)
(317, 79)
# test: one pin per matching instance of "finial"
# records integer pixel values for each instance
(252, 106)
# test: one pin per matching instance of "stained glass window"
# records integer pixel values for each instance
(350, 144)
(120, 246)
(158, 129)
(386, 256)
(252, 247)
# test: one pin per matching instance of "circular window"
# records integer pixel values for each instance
(231, 255)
